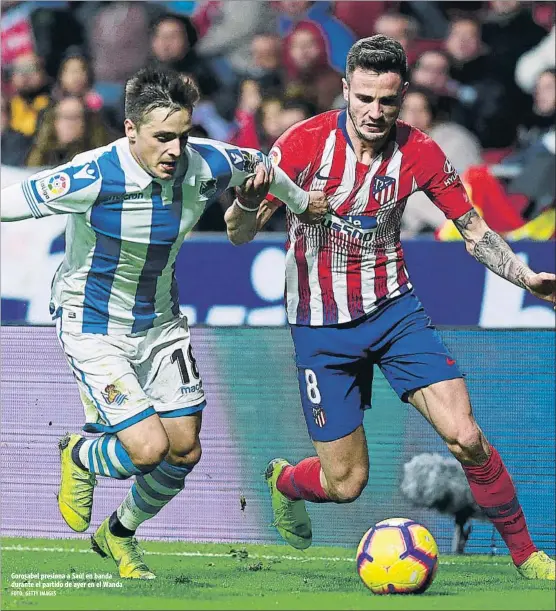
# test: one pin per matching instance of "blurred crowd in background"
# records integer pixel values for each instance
(482, 85)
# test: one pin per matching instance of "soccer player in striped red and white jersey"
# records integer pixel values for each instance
(350, 302)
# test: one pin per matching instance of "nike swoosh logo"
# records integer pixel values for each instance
(321, 177)
(450, 361)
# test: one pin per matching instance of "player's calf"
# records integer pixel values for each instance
(348, 487)
(107, 455)
(80, 460)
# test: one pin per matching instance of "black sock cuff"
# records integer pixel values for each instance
(117, 528)
(75, 454)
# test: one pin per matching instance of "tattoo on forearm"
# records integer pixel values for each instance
(465, 221)
(491, 250)
(494, 253)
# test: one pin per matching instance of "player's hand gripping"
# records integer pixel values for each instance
(318, 207)
(252, 192)
(543, 286)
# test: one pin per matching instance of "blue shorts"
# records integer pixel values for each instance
(335, 364)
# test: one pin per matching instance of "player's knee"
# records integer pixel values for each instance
(466, 443)
(347, 489)
(150, 453)
(185, 454)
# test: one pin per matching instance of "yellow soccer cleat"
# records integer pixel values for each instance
(290, 517)
(123, 550)
(538, 566)
(75, 497)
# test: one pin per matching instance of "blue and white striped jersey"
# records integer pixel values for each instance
(125, 228)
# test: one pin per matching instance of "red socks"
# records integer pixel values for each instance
(494, 492)
(302, 481)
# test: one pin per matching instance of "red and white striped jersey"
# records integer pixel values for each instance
(346, 267)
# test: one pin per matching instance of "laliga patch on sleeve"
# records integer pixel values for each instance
(275, 155)
(60, 183)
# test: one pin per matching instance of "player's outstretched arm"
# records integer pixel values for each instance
(243, 217)
(13, 205)
(493, 252)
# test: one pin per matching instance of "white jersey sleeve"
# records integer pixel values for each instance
(231, 166)
(69, 188)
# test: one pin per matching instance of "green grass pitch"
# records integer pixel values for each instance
(234, 576)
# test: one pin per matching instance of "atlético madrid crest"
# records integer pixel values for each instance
(383, 189)
(319, 416)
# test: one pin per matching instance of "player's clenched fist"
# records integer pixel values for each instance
(318, 207)
(256, 187)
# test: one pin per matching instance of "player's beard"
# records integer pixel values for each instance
(370, 138)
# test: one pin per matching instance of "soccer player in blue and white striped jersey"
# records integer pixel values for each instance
(115, 300)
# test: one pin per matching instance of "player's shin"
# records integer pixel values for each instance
(148, 495)
(106, 456)
(303, 481)
(494, 491)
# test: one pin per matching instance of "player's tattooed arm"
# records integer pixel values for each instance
(493, 252)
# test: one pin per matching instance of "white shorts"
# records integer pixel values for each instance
(123, 379)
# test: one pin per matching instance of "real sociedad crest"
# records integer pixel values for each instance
(384, 189)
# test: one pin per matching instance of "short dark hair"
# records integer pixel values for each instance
(378, 53)
(152, 88)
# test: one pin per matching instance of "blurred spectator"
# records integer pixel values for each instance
(44, 28)
(68, 128)
(536, 179)
(117, 35)
(308, 73)
(523, 210)
(295, 110)
(15, 146)
(337, 36)
(172, 46)
(360, 17)
(544, 13)
(466, 50)
(421, 109)
(542, 116)
(228, 28)
(266, 60)
(483, 92)
(268, 121)
(206, 117)
(540, 58)
(250, 98)
(75, 78)
(433, 24)
(403, 28)
(260, 128)
(509, 30)
(432, 71)
(29, 84)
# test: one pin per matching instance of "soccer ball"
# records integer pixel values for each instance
(397, 556)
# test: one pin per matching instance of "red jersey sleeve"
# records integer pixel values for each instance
(437, 177)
